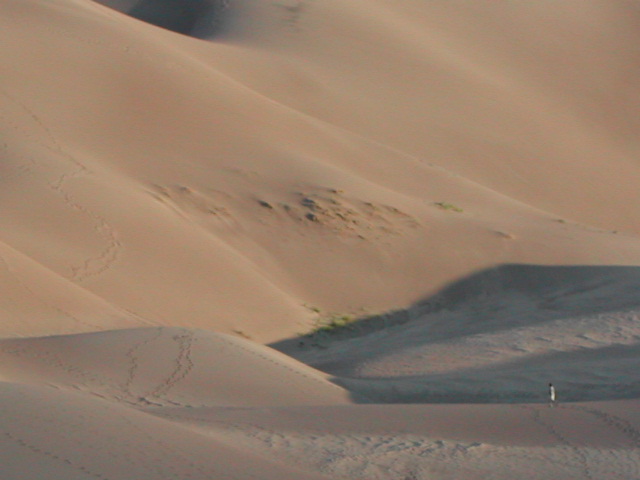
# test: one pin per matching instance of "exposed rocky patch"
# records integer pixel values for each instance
(334, 211)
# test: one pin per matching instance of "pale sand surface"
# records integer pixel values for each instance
(177, 211)
(166, 402)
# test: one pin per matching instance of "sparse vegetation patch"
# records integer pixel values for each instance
(327, 324)
(449, 206)
(333, 323)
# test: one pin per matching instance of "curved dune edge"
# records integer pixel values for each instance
(198, 18)
(243, 155)
(167, 367)
(143, 403)
(496, 337)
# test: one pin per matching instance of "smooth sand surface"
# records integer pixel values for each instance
(349, 239)
(168, 366)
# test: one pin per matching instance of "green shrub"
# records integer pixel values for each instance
(449, 206)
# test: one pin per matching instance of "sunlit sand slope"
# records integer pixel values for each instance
(334, 156)
(52, 434)
(167, 366)
(151, 403)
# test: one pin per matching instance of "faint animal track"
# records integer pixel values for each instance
(39, 298)
(624, 426)
(578, 453)
(58, 458)
(171, 454)
(81, 430)
(91, 266)
(103, 261)
(86, 378)
(183, 366)
(133, 361)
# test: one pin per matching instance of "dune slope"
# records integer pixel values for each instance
(158, 403)
(261, 157)
(183, 182)
(167, 366)
(54, 434)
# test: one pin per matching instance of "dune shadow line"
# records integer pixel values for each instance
(197, 18)
(550, 292)
(504, 298)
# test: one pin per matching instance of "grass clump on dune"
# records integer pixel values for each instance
(328, 324)
(449, 206)
(333, 323)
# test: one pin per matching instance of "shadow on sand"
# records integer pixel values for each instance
(197, 18)
(489, 302)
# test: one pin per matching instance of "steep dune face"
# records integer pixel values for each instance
(312, 156)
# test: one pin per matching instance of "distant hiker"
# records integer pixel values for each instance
(552, 394)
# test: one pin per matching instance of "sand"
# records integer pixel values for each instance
(319, 239)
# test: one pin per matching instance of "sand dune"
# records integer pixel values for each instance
(80, 437)
(186, 182)
(167, 366)
(148, 403)
(133, 141)
(497, 337)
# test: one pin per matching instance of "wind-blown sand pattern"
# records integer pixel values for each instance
(347, 239)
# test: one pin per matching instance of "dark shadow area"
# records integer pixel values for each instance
(584, 379)
(500, 299)
(550, 292)
(197, 18)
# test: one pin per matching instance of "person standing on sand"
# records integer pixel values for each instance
(552, 394)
